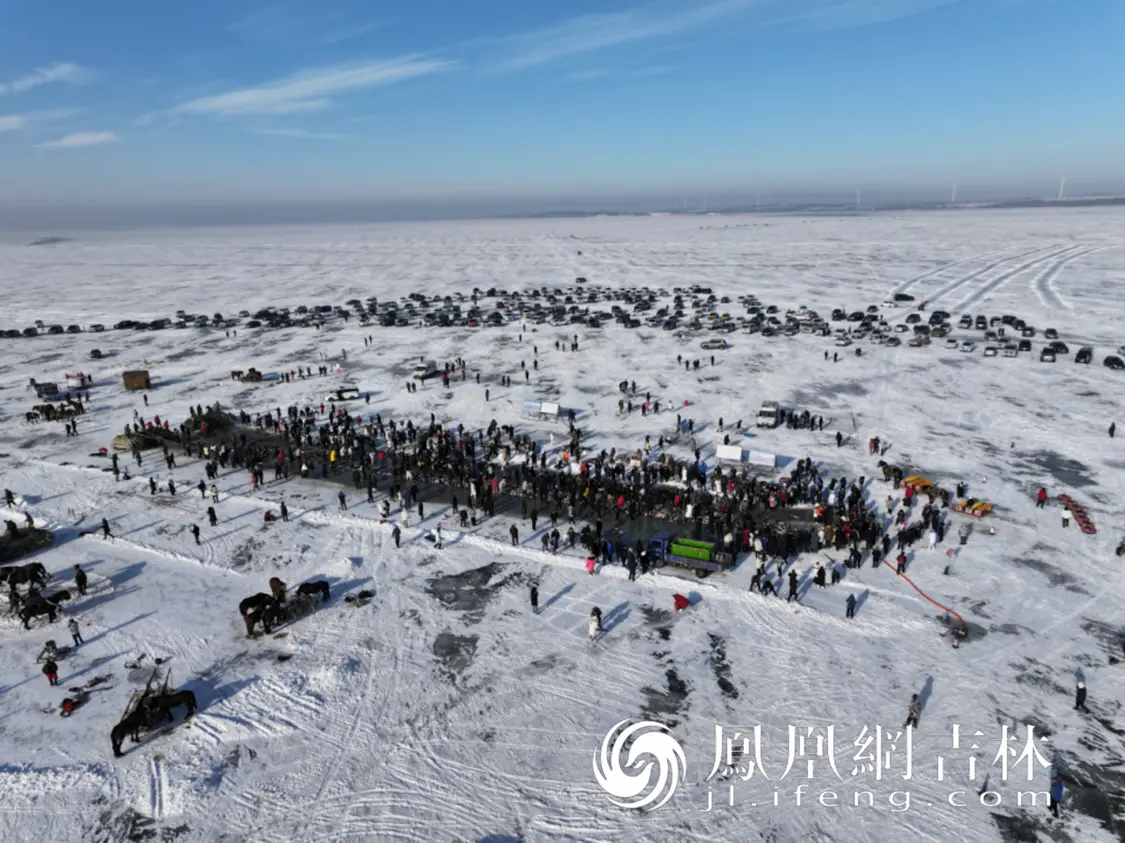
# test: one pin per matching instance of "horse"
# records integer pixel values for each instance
(58, 597)
(265, 615)
(277, 589)
(166, 702)
(35, 608)
(254, 603)
(32, 572)
(318, 587)
(130, 726)
(32, 417)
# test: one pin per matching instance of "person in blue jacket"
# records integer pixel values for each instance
(1056, 795)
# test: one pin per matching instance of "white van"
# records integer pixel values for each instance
(347, 393)
(769, 415)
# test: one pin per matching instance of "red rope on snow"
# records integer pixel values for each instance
(925, 596)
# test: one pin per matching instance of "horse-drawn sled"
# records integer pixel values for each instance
(278, 608)
(149, 708)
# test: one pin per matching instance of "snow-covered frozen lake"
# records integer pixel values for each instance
(429, 717)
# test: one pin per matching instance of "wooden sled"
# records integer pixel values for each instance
(977, 509)
(1079, 512)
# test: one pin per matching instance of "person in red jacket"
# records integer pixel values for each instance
(1041, 499)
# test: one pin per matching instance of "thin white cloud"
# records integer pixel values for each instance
(588, 33)
(302, 133)
(57, 72)
(19, 122)
(663, 20)
(843, 14)
(80, 139)
(312, 90)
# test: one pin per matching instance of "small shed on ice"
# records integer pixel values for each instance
(136, 379)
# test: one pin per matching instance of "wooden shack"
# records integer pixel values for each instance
(136, 379)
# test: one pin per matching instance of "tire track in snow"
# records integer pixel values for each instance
(158, 788)
(1042, 283)
(906, 285)
(958, 283)
(994, 284)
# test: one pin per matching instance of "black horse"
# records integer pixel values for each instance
(319, 587)
(32, 572)
(34, 608)
(130, 726)
(253, 604)
(166, 702)
(58, 597)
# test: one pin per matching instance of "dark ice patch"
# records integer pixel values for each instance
(666, 705)
(471, 591)
(721, 667)
(455, 653)
(1065, 470)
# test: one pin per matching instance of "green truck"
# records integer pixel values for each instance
(701, 557)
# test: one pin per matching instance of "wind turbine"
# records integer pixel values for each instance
(1062, 186)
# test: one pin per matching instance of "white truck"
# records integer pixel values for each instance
(769, 415)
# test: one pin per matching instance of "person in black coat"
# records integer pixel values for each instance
(535, 599)
(80, 580)
(792, 587)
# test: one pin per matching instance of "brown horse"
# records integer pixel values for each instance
(166, 702)
(266, 616)
(277, 589)
(320, 587)
(130, 726)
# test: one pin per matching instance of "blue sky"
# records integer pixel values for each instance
(459, 101)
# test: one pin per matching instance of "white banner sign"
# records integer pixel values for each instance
(762, 458)
(731, 453)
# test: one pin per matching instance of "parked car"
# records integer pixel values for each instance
(1059, 347)
(1047, 355)
(981, 323)
(952, 344)
(1025, 345)
(893, 342)
(901, 329)
(1084, 355)
(990, 351)
(913, 319)
(55, 329)
(97, 328)
(1051, 334)
(1113, 362)
(31, 332)
(968, 347)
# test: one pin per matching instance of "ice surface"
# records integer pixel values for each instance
(444, 709)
